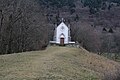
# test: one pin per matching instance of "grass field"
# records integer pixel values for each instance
(56, 63)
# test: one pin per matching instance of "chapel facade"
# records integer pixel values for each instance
(62, 34)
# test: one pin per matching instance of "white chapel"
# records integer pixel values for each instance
(62, 35)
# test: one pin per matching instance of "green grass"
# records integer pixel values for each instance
(55, 63)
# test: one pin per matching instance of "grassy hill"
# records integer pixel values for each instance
(57, 63)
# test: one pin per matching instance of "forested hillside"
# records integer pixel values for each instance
(23, 26)
(27, 25)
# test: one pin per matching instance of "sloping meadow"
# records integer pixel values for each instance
(56, 63)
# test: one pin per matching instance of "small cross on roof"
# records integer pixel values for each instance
(62, 19)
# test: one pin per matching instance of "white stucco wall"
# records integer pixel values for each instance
(60, 31)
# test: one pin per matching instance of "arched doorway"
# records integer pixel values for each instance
(62, 40)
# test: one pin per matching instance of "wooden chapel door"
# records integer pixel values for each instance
(62, 41)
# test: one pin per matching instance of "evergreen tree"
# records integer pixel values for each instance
(59, 3)
(110, 30)
(94, 5)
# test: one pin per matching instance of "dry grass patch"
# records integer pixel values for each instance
(56, 63)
